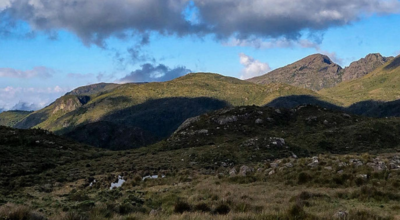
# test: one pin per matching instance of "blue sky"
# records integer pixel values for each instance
(47, 50)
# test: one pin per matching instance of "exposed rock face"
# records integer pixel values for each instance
(70, 103)
(314, 72)
(364, 66)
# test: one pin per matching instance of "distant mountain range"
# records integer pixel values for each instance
(149, 112)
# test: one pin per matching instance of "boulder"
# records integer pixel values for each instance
(245, 170)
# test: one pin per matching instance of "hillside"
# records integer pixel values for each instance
(318, 71)
(139, 105)
(380, 85)
(11, 118)
(221, 165)
(93, 89)
(24, 154)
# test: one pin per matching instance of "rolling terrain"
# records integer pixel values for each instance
(156, 108)
(221, 165)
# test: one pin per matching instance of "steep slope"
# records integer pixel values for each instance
(11, 118)
(364, 66)
(314, 72)
(383, 84)
(161, 107)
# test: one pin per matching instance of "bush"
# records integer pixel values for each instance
(303, 178)
(222, 209)
(202, 207)
(181, 207)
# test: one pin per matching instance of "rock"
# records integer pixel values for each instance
(328, 168)
(187, 123)
(233, 172)
(202, 131)
(314, 162)
(346, 115)
(341, 215)
(274, 165)
(326, 122)
(226, 119)
(289, 165)
(342, 164)
(311, 119)
(270, 120)
(362, 176)
(278, 111)
(259, 121)
(154, 212)
(277, 141)
(272, 172)
(245, 170)
(393, 166)
(340, 172)
(259, 170)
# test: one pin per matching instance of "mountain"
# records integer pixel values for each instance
(93, 89)
(318, 71)
(364, 66)
(11, 118)
(157, 108)
(314, 72)
(382, 84)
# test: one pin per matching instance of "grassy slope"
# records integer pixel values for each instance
(231, 90)
(197, 171)
(383, 84)
(10, 118)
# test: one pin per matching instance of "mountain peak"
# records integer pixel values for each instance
(364, 66)
(314, 72)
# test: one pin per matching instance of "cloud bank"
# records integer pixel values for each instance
(18, 98)
(252, 67)
(93, 21)
(155, 73)
(36, 72)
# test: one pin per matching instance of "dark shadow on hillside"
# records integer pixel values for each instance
(149, 122)
(368, 108)
(297, 100)
(112, 136)
(394, 64)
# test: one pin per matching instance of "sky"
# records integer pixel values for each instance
(49, 47)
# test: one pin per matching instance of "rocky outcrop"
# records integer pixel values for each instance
(364, 66)
(70, 103)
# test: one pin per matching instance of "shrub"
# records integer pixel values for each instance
(202, 207)
(303, 178)
(222, 209)
(14, 212)
(181, 207)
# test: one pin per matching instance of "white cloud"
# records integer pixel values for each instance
(252, 67)
(39, 72)
(29, 98)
